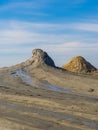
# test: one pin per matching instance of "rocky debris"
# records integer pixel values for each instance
(91, 90)
(39, 57)
(79, 64)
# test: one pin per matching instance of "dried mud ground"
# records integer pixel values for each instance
(25, 107)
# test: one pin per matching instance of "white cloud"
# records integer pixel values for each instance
(93, 27)
(21, 37)
(12, 24)
(71, 47)
(35, 4)
(20, 5)
(25, 37)
(61, 53)
(15, 32)
(56, 48)
(90, 27)
(27, 8)
(18, 32)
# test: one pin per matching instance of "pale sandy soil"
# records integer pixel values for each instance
(56, 100)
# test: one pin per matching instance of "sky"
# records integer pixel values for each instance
(62, 28)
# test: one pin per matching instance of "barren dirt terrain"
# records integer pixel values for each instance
(39, 96)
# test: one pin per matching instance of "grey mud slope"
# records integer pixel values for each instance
(45, 97)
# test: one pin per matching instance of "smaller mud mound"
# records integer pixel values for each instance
(79, 64)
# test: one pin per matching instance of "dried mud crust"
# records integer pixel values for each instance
(36, 95)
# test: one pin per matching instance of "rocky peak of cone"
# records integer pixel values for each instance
(40, 57)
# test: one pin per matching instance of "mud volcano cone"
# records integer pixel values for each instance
(79, 64)
(38, 58)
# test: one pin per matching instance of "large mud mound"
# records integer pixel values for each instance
(79, 64)
(39, 57)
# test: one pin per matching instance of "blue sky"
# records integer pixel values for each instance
(63, 28)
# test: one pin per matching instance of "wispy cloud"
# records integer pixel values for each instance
(27, 8)
(37, 7)
(25, 37)
(18, 32)
(19, 38)
(72, 46)
(15, 24)
(61, 53)
(91, 27)
(56, 48)
(15, 32)
(20, 5)
(53, 25)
